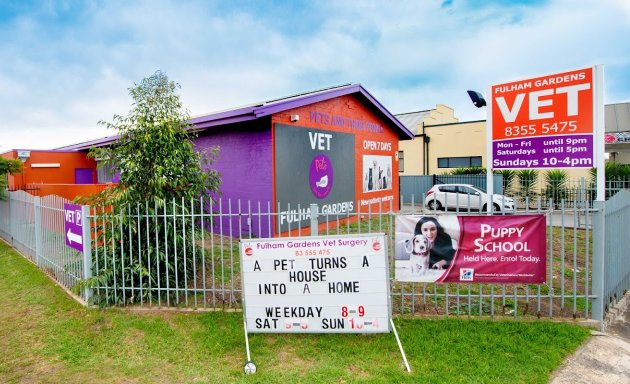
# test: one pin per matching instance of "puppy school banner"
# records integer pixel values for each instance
(467, 249)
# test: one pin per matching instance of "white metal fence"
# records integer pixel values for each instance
(35, 227)
(414, 188)
(180, 255)
(612, 229)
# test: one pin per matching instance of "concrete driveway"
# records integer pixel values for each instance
(605, 357)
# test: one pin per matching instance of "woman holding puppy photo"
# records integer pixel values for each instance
(442, 250)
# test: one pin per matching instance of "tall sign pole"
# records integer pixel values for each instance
(598, 121)
(490, 156)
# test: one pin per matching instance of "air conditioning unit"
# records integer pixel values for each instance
(23, 155)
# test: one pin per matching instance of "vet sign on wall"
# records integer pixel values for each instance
(331, 284)
(73, 226)
(313, 166)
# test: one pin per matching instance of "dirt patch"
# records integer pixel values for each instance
(288, 360)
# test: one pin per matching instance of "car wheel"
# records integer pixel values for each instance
(495, 208)
(434, 205)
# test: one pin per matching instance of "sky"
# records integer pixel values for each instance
(66, 65)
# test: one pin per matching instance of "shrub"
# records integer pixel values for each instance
(556, 181)
(526, 180)
(162, 176)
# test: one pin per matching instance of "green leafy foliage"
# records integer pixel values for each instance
(154, 153)
(7, 167)
(161, 175)
(556, 188)
(613, 171)
(526, 180)
(475, 170)
(617, 176)
(616, 171)
(509, 179)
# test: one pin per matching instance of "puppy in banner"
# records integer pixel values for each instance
(418, 248)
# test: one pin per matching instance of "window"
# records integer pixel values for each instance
(467, 190)
(459, 162)
(401, 161)
(448, 189)
(105, 175)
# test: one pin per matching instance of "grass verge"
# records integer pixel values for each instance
(49, 338)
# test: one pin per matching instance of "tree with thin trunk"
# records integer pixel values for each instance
(145, 234)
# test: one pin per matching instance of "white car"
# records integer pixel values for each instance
(465, 196)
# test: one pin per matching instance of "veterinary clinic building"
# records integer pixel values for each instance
(336, 147)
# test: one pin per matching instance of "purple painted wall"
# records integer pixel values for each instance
(245, 164)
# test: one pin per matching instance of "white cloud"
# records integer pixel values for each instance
(69, 65)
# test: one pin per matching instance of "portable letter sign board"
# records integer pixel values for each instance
(325, 284)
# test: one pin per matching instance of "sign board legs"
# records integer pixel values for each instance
(249, 367)
(402, 351)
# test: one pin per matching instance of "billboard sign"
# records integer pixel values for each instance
(471, 249)
(313, 166)
(326, 284)
(544, 122)
(73, 226)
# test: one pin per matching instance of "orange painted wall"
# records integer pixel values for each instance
(344, 108)
(69, 191)
(64, 174)
(350, 107)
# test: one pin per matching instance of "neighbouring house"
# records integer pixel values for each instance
(442, 142)
(54, 172)
(617, 136)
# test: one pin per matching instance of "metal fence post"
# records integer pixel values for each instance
(87, 250)
(599, 262)
(582, 201)
(37, 207)
(314, 221)
(13, 214)
(11, 220)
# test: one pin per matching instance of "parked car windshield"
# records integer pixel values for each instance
(481, 189)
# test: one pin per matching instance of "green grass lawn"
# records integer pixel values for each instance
(46, 337)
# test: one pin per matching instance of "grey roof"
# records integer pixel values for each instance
(411, 120)
(88, 144)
